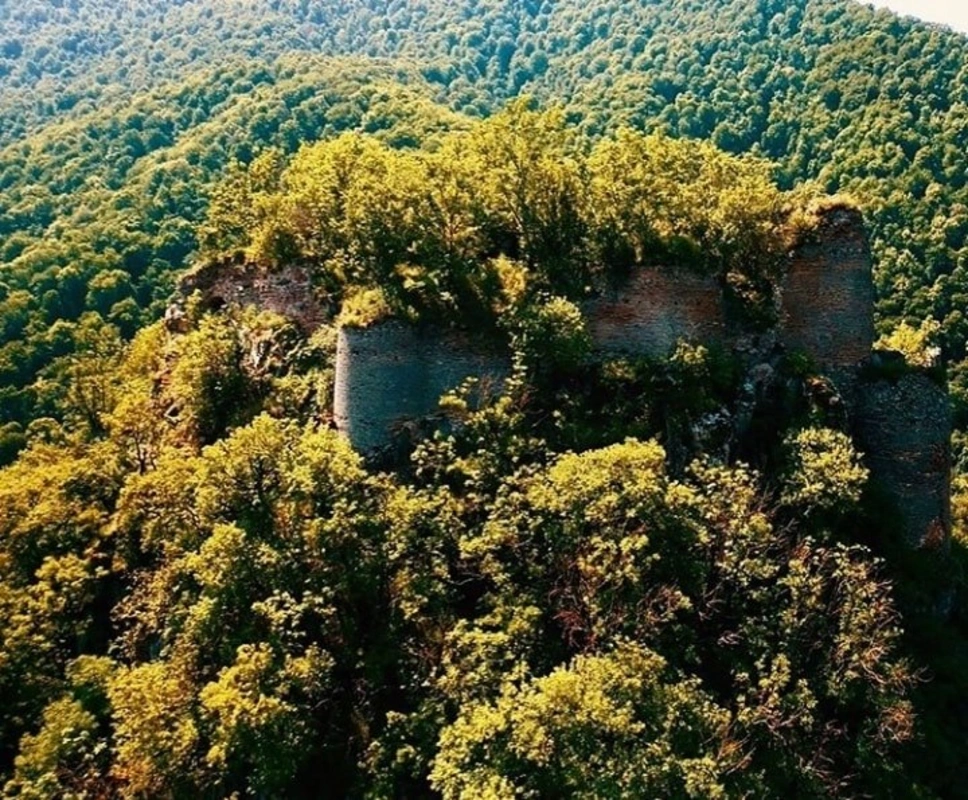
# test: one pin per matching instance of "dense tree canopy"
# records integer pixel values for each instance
(484, 220)
(263, 614)
(204, 592)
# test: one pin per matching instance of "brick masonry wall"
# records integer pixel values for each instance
(655, 309)
(287, 291)
(904, 430)
(391, 374)
(828, 293)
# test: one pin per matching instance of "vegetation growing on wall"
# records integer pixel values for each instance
(206, 592)
(116, 125)
(436, 231)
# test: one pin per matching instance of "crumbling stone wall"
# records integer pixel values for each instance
(287, 291)
(903, 427)
(827, 311)
(656, 308)
(827, 293)
(392, 374)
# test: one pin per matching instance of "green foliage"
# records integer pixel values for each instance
(255, 702)
(551, 338)
(68, 756)
(205, 593)
(414, 232)
(281, 621)
(364, 308)
(61, 759)
(915, 344)
(664, 738)
(655, 195)
(155, 733)
(207, 382)
(12, 441)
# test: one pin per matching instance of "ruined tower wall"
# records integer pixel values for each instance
(903, 428)
(287, 291)
(827, 299)
(827, 293)
(393, 373)
(654, 310)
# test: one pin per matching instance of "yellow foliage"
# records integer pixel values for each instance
(156, 736)
(827, 471)
(917, 345)
(663, 737)
(363, 308)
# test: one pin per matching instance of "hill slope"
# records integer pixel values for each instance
(205, 593)
(832, 91)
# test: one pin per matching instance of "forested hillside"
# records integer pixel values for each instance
(205, 593)
(116, 128)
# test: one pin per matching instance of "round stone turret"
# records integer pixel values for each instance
(392, 374)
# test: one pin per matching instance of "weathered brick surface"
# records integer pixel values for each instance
(391, 374)
(287, 291)
(828, 293)
(655, 309)
(904, 430)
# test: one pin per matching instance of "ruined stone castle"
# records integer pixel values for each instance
(391, 374)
